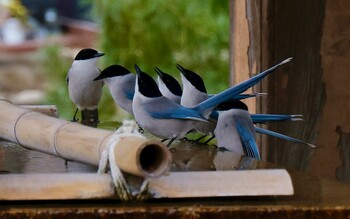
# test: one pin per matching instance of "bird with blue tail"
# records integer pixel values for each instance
(169, 120)
(194, 92)
(121, 85)
(235, 130)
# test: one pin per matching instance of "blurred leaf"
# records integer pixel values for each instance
(162, 33)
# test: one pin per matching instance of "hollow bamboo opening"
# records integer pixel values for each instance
(152, 159)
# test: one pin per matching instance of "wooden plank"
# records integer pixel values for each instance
(55, 186)
(222, 183)
(174, 185)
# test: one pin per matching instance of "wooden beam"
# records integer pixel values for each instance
(222, 183)
(173, 185)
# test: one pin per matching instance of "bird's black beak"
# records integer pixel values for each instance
(159, 72)
(182, 69)
(98, 77)
(138, 70)
(99, 54)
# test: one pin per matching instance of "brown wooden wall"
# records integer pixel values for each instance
(316, 33)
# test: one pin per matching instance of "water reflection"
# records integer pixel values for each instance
(193, 157)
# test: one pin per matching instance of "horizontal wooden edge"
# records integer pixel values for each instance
(58, 186)
(267, 182)
(270, 182)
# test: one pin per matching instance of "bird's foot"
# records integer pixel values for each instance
(141, 130)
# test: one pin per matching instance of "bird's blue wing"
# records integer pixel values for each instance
(166, 109)
(129, 87)
(281, 136)
(180, 113)
(129, 94)
(247, 136)
(214, 115)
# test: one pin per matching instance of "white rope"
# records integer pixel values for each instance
(128, 129)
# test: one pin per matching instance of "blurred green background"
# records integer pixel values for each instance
(150, 33)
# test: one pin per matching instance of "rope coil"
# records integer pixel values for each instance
(128, 129)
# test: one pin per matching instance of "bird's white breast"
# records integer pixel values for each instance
(83, 91)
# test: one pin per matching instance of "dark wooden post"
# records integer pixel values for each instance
(295, 29)
(278, 30)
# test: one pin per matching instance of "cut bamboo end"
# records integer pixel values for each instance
(154, 159)
(142, 157)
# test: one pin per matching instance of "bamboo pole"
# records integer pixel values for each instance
(76, 142)
(50, 110)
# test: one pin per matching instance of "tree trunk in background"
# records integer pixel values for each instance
(278, 30)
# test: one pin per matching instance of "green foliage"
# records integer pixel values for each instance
(161, 33)
(56, 68)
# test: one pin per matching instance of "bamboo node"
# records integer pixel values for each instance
(15, 125)
(54, 143)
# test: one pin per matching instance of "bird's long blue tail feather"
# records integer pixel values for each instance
(281, 136)
(264, 118)
(208, 105)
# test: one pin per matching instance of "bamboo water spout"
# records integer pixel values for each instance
(76, 142)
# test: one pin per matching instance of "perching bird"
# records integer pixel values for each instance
(194, 90)
(235, 130)
(169, 120)
(83, 91)
(263, 118)
(169, 86)
(121, 84)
